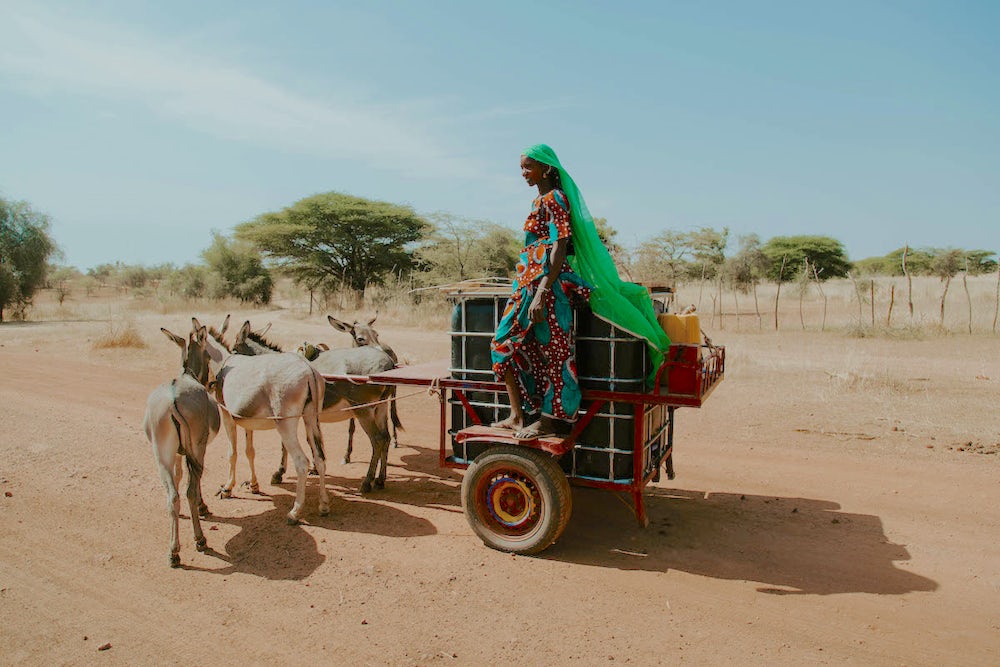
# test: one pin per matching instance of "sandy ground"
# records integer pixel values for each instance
(836, 502)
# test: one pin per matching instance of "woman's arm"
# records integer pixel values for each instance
(536, 311)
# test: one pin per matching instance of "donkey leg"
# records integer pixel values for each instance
(226, 491)
(315, 438)
(350, 441)
(382, 423)
(379, 437)
(251, 452)
(173, 499)
(279, 474)
(194, 499)
(287, 429)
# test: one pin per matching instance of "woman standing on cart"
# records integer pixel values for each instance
(563, 264)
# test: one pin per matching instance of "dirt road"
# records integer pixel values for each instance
(837, 501)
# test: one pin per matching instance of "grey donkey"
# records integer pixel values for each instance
(363, 335)
(181, 419)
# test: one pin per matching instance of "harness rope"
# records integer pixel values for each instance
(433, 389)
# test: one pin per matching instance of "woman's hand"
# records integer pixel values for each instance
(536, 311)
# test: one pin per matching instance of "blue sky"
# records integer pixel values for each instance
(140, 127)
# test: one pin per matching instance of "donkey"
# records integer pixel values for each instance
(181, 419)
(352, 363)
(271, 391)
(225, 491)
(368, 403)
(362, 335)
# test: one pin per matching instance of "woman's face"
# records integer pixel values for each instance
(533, 171)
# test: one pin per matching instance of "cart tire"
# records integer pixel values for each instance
(516, 499)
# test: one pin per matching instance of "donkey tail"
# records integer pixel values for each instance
(317, 391)
(396, 423)
(194, 466)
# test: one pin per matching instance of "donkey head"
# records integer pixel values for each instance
(250, 342)
(362, 334)
(194, 356)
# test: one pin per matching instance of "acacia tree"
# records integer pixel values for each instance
(333, 238)
(25, 249)
(788, 256)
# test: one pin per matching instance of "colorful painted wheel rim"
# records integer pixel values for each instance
(511, 502)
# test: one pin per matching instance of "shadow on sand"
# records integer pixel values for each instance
(266, 546)
(791, 545)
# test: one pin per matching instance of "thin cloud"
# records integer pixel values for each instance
(42, 54)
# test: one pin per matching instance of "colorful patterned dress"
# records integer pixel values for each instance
(542, 354)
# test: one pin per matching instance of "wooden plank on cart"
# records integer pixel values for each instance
(555, 445)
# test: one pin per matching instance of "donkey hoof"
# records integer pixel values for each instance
(324, 510)
(379, 483)
(201, 544)
(347, 459)
(366, 486)
(292, 521)
(175, 560)
(223, 492)
(313, 472)
(277, 477)
(203, 511)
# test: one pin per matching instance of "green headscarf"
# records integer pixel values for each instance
(626, 305)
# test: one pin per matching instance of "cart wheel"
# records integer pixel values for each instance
(516, 499)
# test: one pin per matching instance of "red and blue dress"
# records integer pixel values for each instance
(542, 354)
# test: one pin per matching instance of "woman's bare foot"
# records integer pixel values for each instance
(511, 423)
(538, 429)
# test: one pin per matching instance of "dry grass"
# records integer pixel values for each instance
(120, 335)
(838, 309)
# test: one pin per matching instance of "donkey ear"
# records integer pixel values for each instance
(338, 325)
(243, 333)
(372, 320)
(195, 324)
(181, 343)
(225, 325)
(201, 335)
(264, 330)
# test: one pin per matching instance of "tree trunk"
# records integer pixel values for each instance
(819, 286)
(857, 293)
(781, 273)
(873, 303)
(968, 297)
(996, 306)
(892, 300)
(736, 301)
(760, 319)
(909, 280)
(947, 284)
(802, 293)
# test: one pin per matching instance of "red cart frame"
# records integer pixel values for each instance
(687, 377)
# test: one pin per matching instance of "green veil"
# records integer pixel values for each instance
(627, 305)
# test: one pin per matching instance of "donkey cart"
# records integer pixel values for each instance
(516, 494)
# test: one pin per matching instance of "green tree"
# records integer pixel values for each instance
(239, 270)
(825, 253)
(25, 249)
(458, 249)
(748, 266)
(58, 278)
(190, 281)
(663, 258)
(708, 251)
(334, 238)
(981, 261)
